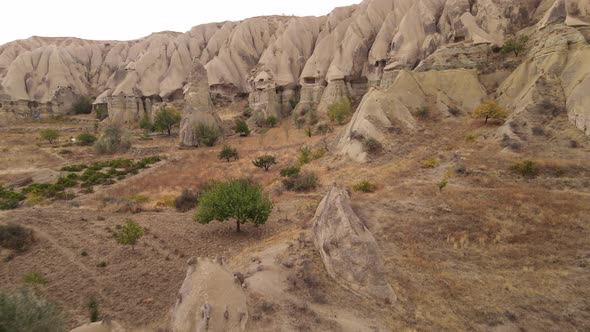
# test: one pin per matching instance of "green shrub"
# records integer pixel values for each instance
(471, 137)
(93, 313)
(24, 311)
(74, 168)
(293, 103)
(490, 110)
(242, 128)
(515, 45)
(264, 162)
(238, 199)
(206, 134)
(271, 121)
(429, 163)
(307, 155)
(340, 111)
(227, 153)
(114, 139)
(49, 135)
(186, 201)
(139, 198)
(146, 124)
(423, 112)
(166, 119)
(35, 278)
(15, 237)
(10, 199)
(86, 139)
(372, 146)
(102, 264)
(290, 171)
(526, 168)
(365, 186)
(83, 105)
(129, 234)
(101, 113)
(303, 181)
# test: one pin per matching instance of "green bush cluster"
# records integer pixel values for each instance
(206, 134)
(307, 155)
(23, 310)
(15, 237)
(365, 186)
(83, 105)
(114, 139)
(265, 162)
(86, 139)
(92, 175)
(526, 168)
(228, 153)
(290, 171)
(302, 181)
(340, 111)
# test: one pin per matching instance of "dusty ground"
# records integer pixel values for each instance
(491, 252)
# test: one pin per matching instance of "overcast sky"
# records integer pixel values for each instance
(131, 19)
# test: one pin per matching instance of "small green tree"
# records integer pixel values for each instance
(83, 105)
(265, 162)
(271, 121)
(146, 124)
(49, 135)
(166, 119)
(489, 109)
(339, 111)
(239, 199)
(86, 139)
(515, 45)
(242, 128)
(129, 234)
(228, 153)
(206, 134)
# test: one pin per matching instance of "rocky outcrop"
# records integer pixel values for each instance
(554, 78)
(349, 251)
(210, 299)
(385, 114)
(198, 107)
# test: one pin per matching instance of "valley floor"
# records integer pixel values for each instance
(492, 251)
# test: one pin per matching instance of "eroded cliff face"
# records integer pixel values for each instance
(275, 60)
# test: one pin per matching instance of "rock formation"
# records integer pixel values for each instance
(349, 251)
(198, 107)
(210, 299)
(383, 113)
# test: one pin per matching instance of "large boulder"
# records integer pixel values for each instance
(198, 106)
(348, 249)
(210, 299)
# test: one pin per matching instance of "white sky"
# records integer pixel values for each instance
(131, 19)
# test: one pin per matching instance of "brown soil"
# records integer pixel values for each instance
(491, 252)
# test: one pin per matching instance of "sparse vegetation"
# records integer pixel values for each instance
(139, 198)
(490, 110)
(166, 119)
(101, 113)
(423, 112)
(372, 146)
(307, 155)
(239, 199)
(365, 186)
(15, 237)
(86, 139)
(526, 168)
(23, 311)
(471, 137)
(49, 135)
(102, 264)
(83, 105)
(340, 111)
(228, 153)
(271, 121)
(303, 181)
(129, 234)
(290, 171)
(186, 201)
(515, 44)
(10, 199)
(93, 312)
(265, 162)
(35, 278)
(146, 124)
(429, 163)
(206, 134)
(242, 128)
(113, 140)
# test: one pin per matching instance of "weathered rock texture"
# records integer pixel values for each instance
(106, 325)
(198, 106)
(386, 112)
(349, 251)
(210, 299)
(276, 60)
